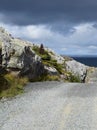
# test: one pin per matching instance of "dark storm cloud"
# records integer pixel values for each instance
(46, 11)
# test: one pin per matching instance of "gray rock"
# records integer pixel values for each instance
(18, 54)
(51, 70)
(32, 65)
(77, 69)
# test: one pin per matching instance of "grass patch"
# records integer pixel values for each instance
(14, 85)
(53, 63)
(46, 77)
(73, 78)
(44, 56)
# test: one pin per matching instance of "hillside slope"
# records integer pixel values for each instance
(38, 62)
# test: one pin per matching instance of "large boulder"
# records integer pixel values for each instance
(32, 65)
(76, 68)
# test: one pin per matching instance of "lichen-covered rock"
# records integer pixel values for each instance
(77, 69)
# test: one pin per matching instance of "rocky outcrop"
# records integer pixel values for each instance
(77, 69)
(18, 55)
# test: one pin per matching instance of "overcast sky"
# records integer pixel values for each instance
(67, 26)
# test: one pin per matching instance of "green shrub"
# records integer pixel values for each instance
(46, 57)
(59, 67)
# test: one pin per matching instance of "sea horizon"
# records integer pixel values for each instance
(87, 60)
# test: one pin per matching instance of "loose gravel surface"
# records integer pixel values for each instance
(51, 106)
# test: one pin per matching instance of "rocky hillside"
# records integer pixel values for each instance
(37, 62)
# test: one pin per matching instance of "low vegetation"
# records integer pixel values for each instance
(11, 86)
(47, 60)
(73, 78)
(43, 54)
(46, 77)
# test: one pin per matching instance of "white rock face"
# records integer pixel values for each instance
(77, 69)
(51, 70)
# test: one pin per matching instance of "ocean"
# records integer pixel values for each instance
(90, 61)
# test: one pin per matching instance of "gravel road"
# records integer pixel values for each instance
(51, 106)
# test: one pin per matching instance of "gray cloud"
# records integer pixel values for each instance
(80, 41)
(67, 26)
(48, 11)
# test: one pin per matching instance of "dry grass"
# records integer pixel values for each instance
(13, 85)
(46, 77)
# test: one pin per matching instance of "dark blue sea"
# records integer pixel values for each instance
(90, 61)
